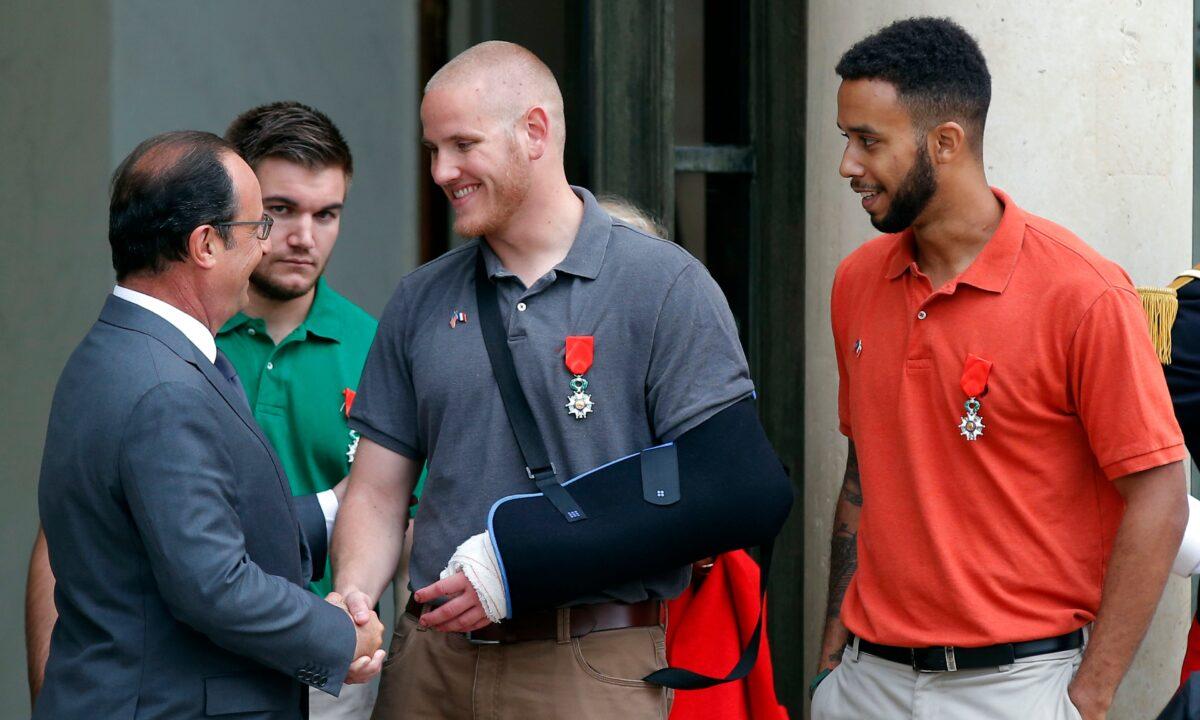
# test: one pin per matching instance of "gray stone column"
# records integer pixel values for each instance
(1090, 126)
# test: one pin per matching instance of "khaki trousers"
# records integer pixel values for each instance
(430, 674)
(354, 703)
(865, 687)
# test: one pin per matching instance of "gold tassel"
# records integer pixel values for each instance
(1161, 306)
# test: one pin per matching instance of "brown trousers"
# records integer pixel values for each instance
(430, 674)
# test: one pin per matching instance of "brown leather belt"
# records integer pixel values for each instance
(582, 619)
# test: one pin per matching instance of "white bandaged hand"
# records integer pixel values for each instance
(476, 559)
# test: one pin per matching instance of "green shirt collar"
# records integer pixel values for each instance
(324, 319)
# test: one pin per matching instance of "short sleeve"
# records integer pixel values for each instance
(385, 407)
(1119, 390)
(837, 323)
(697, 367)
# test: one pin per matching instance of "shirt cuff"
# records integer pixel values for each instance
(1145, 461)
(329, 507)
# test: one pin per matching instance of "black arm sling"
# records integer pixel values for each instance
(542, 472)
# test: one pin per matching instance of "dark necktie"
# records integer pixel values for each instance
(230, 374)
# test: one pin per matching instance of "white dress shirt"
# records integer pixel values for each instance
(191, 328)
(202, 338)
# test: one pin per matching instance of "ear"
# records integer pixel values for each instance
(202, 246)
(537, 130)
(948, 142)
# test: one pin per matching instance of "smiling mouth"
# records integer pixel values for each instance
(462, 192)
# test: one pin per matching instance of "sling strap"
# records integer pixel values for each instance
(537, 461)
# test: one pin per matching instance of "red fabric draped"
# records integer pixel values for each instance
(1191, 657)
(706, 632)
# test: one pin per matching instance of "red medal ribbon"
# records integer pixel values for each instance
(580, 349)
(349, 395)
(975, 375)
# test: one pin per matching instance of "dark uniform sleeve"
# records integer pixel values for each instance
(697, 367)
(385, 408)
(1183, 374)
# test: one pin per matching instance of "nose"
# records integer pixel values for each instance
(850, 167)
(443, 169)
(300, 235)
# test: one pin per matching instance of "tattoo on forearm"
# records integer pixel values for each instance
(843, 554)
(843, 560)
(852, 482)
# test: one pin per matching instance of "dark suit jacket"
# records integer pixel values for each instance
(173, 537)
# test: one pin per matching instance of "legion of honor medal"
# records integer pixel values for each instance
(974, 384)
(352, 448)
(578, 358)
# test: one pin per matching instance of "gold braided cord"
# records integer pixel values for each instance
(1161, 306)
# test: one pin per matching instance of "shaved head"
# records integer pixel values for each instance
(508, 80)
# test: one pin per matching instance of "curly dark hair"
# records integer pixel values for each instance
(937, 68)
(291, 131)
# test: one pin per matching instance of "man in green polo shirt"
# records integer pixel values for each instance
(298, 346)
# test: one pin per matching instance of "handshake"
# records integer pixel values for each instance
(368, 632)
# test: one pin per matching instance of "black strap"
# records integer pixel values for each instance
(681, 679)
(541, 471)
(516, 406)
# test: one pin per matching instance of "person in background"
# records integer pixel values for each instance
(1173, 313)
(298, 345)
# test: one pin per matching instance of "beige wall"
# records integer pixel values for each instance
(1091, 126)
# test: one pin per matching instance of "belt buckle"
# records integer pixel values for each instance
(948, 653)
(479, 641)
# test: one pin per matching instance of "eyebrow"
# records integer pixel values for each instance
(284, 200)
(456, 137)
(860, 129)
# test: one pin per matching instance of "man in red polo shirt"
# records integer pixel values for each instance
(1014, 494)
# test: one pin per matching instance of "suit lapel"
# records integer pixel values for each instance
(123, 313)
(230, 394)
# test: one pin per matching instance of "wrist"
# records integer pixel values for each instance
(1088, 698)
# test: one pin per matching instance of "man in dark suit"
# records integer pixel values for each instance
(180, 562)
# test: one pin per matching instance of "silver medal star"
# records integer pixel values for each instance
(579, 405)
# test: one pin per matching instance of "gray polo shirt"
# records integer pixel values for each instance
(667, 358)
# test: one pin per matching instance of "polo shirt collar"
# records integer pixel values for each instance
(323, 319)
(994, 266)
(586, 255)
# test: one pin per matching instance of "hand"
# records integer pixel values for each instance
(358, 604)
(462, 613)
(365, 668)
(368, 651)
(1089, 707)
